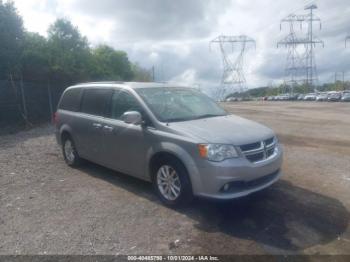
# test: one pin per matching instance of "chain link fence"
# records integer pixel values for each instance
(25, 103)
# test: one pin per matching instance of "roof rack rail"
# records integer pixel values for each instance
(102, 82)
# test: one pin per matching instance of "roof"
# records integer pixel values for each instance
(132, 85)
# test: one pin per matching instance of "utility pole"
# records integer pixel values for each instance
(303, 67)
(232, 50)
(293, 64)
(311, 67)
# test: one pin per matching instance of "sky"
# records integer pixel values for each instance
(174, 35)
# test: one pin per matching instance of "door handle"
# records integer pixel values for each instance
(108, 128)
(96, 125)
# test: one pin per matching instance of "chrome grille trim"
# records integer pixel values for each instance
(265, 150)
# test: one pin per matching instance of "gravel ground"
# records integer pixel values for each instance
(49, 208)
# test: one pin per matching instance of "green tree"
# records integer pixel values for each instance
(110, 64)
(69, 52)
(141, 74)
(34, 60)
(11, 37)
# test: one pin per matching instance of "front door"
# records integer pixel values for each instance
(125, 144)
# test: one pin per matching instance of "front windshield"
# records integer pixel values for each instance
(179, 104)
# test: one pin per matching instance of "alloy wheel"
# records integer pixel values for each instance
(168, 182)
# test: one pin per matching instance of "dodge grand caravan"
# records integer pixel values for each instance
(175, 137)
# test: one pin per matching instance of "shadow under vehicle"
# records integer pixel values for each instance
(282, 218)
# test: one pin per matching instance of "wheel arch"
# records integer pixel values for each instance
(64, 135)
(158, 156)
(176, 152)
(65, 132)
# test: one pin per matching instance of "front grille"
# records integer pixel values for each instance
(260, 150)
(270, 152)
(255, 157)
(251, 146)
(269, 141)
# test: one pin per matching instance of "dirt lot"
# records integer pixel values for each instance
(49, 208)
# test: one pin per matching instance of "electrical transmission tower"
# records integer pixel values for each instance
(294, 66)
(301, 67)
(233, 76)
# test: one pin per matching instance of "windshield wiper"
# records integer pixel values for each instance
(179, 119)
(207, 115)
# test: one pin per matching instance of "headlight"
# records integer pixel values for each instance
(217, 152)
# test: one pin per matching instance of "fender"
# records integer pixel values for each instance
(182, 155)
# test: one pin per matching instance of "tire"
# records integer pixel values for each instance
(70, 154)
(171, 173)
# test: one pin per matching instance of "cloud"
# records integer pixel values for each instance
(174, 36)
(153, 19)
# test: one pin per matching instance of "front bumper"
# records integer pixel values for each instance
(243, 176)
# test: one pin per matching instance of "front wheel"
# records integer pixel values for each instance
(172, 183)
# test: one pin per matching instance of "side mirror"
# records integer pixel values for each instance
(132, 117)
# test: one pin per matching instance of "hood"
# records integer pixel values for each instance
(229, 129)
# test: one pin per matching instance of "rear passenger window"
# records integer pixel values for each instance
(95, 101)
(123, 102)
(71, 100)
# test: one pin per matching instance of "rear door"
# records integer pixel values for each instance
(93, 109)
(125, 144)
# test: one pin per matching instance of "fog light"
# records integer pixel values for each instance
(226, 187)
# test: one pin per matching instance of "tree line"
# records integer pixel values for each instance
(64, 56)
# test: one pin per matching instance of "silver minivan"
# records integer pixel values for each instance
(175, 137)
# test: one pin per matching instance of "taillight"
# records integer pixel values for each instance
(55, 118)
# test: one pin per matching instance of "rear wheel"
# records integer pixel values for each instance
(171, 182)
(70, 153)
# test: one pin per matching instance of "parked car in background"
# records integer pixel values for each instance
(277, 98)
(174, 137)
(301, 97)
(247, 98)
(231, 99)
(310, 97)
(345, 97)
(334, 97)
(284, 97)
(293, 97)
(322, 97)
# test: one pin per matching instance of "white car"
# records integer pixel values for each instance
(310, 97)
(322, 97)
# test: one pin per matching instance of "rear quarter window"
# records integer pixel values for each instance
(71, 100)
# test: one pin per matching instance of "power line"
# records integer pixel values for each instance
(233, 76)
(292, 12)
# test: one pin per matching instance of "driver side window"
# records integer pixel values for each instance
(122, 102)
